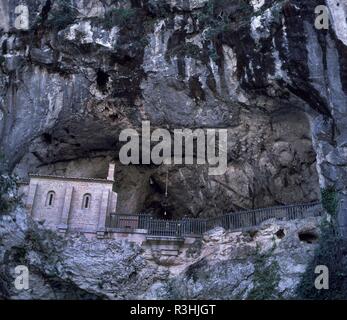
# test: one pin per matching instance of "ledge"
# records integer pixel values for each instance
(165, 238)
(71, 178)
(126, 230)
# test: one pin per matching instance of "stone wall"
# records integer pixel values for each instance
(67, 208)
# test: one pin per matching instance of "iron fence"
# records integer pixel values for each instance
(198, 226)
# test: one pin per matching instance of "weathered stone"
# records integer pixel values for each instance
(43, 56)
(74, 267)
(275, 82)
(90, 69)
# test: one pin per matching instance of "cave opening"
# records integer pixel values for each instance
(280, 234)
(47, 138)
(102, 79)
(308, 236)
(156, 203)
(286, 172)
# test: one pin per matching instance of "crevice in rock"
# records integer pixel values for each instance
(45, 10)
(308, 236)
(280, 234)
(102, 79)
(196, 90)
(4, 47)
(47, 138)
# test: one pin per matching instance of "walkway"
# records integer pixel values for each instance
(196, 227)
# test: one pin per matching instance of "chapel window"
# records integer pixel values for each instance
(86, 201)
(50, 199)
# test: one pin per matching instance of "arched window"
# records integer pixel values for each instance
(87, 198)
(50, 199)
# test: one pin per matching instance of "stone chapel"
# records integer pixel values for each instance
(71, 203)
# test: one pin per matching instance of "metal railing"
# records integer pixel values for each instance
(128, 221)
(197, 226)
(165, 228)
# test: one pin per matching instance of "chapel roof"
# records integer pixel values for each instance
(55, 177)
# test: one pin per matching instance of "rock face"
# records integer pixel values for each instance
(82, 73)
(85, 70)
(222, 265)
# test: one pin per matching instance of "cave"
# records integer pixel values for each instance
(280, 234)
(47, 138)
(287, 147)
(102, 79)
(271, 160)
(308, 236)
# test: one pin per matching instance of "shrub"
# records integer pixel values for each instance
(266, 277)
(3, 162)
(62, 14)
(214, 19)
(8, 193)
(120, 17)
(330, 253)
(185, 49)
(159, 8)
(330, 200)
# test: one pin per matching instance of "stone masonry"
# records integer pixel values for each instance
(69, 203)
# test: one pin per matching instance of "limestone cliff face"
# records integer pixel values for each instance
(87, 69)
(266, 262)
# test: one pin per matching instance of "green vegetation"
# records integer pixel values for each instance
(194, 250)
(159, 8)
(3, 164)
(329, 200)
(219, 17)
(212, 53)
(120, 17)
(8, 197)
(331, 252)
(214, 18)
(185, 49)
(62, 14)
(265, 278)
(8, 188)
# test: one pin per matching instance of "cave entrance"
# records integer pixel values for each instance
(161, 208)
(166, 212)
(308, 236)
(102, 80)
